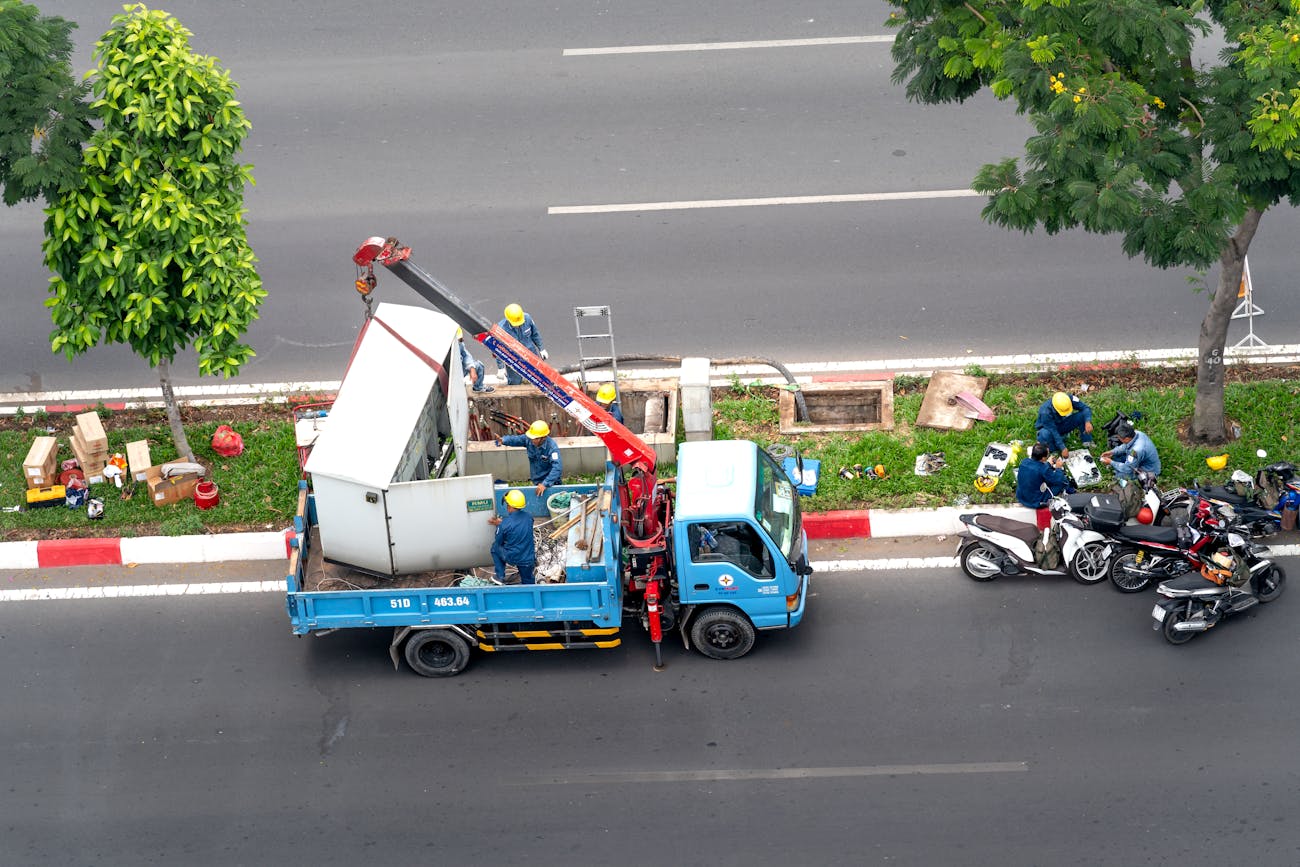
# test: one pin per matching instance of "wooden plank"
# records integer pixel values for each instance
(940, 407)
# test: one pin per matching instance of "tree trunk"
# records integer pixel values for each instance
(1208, 427)
(173, 411)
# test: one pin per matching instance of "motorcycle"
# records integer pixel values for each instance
(993, 545)
(1191, 604)
(1256, 504)
(1145, 554)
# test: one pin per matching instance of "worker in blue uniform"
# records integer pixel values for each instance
(514, 545)
(521, 327)
(607, 397)
(1038, 479)
(1135, 453)
(473, 367)
(1059, 416)
(544, 466)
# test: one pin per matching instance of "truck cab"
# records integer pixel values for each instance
(739, 552)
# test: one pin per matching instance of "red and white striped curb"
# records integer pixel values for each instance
(222, 547)
(218, 548)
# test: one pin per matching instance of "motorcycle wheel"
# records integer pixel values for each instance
(1271, 584)
(1089, 566)
(980, 562)
(1124, 581)
(1178, 615)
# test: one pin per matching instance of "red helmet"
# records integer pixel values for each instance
(1145, 515)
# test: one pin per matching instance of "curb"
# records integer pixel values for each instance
(218, 548)
(221, 547)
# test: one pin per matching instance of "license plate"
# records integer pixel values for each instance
(1159, 613)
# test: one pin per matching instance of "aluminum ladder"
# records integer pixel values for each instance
(595, 324)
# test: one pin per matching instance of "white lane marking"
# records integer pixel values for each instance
(727, 46)
(885, 565)
(136, 591)
(752, 203)
(723, 774)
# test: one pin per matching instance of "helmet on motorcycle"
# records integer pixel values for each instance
(1062, 404)
(986, 484)
(1124, 430)
(1146, 516)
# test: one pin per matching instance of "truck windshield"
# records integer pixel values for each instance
(776, 506)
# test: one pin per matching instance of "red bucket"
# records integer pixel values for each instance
(206, 495)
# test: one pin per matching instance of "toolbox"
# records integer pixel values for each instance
(1104, 512)
(43, 498)
(806, 484)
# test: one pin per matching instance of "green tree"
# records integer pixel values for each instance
(149, 249)
(44, 117)
(1132, 135)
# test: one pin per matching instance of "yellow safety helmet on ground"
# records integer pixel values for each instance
(879, 470)
(986, 484)
(515, 499)
(1062, 404)
(539, 429)
(1217, 462)
(515, 315)
(606, 394)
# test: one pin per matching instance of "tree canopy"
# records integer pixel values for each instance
(149, 248)
(44, 118)
(1133, 133)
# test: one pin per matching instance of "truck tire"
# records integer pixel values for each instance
(722, 633)
(437, 653)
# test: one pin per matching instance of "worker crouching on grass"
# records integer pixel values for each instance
(513, 545)
(1060, 415)
(544, 467)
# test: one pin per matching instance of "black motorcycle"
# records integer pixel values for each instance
(1193, 603)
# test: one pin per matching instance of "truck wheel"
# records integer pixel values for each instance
(437, 653)
(721, 633)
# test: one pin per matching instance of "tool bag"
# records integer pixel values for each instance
(1047, 550)
(1270, 484)
(1131, 498)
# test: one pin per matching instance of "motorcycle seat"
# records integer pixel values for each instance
(1225, 495)
(1143, 533)
(1078, 502)
(1025, 532)
(1191, 582)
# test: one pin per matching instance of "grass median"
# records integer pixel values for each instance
(258, 489)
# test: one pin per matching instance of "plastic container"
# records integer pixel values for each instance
(558, 504)
(206, 494)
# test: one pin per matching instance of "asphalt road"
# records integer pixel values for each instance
(457, 127)
(913, 719)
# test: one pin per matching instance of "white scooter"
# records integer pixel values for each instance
(993, 545)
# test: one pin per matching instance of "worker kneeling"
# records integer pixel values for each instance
(513, 545)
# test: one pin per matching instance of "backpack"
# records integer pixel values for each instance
(1047, 550)
(1131, 498)
(1270, 483)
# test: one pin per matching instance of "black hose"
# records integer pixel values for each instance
(801, 408)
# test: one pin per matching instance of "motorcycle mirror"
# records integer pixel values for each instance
(1260, 453)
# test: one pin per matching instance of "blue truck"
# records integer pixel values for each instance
(717, 554)
(736, 564)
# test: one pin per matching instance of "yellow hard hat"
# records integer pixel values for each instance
(986, 484)
(1217, 462)
(539, 429)
(460, 334)
(1062, 404)
(607, 393)
(879, 470)
(516, 499)
(515, 315)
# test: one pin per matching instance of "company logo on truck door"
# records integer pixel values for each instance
(725, 581)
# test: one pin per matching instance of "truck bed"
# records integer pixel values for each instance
(324, 595)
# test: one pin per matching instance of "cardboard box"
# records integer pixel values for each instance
(164, 492)
(92, 431)
(95, 453)
(41, 465)
(137, 459)
(92, 467)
